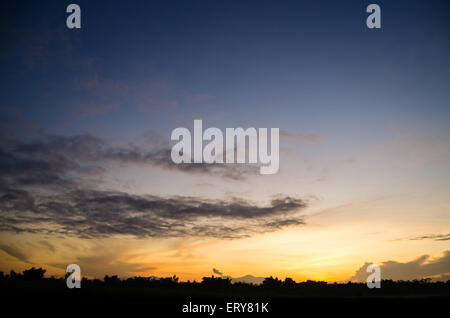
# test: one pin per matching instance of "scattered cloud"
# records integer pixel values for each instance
(422, 267)
(216, 271)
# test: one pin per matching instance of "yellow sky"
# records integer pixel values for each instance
(331, 246)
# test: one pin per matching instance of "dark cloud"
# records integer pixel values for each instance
(56, 162)
(80, 147)
(90, 214)
(421, 267)
(52, 160)
(19, 170)
(162, 159)
(216, 271)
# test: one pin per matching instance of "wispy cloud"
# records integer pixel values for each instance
(90, 214)
(14, 252)
(304, 139)
(435, 237)
(106, 262)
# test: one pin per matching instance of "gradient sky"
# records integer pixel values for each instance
(364, 114)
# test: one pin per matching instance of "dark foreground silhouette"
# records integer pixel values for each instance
(168, 295)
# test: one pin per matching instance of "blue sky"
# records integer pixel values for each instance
(300, 66)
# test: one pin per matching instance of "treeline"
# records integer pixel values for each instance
(34, 278)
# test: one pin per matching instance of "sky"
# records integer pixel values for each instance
(86, 117)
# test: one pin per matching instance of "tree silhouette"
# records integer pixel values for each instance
(33, 274)
(272, 283)
(33, 279)
(216, 282)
